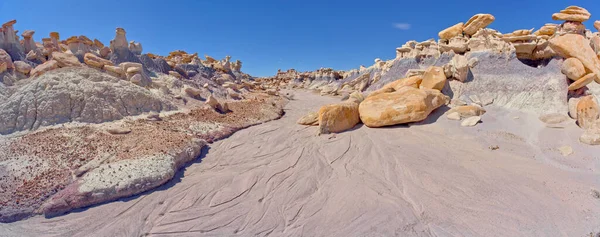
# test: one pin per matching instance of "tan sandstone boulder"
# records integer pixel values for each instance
(577, 46)
(337, 118)
(175, 74)
(212, 102)
(22, 67)
(115, 71)
(451, 31)
(5, 58)
(434, 78)
(466, 111)
(44, 67)
(403, 106)
(583, 81)
(597, 25)
(65, 59)
(95, 61)
(548, 29)
(572, 13)
(311, 119)
(573, 68)
(414, 82)
(587, 111)
(477, 22)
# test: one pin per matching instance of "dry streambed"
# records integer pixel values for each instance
(434, 178)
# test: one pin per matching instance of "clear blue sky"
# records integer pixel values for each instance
(267, 35)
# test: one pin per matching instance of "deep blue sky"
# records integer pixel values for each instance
(267, 35)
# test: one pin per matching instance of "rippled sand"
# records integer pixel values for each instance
(427, 179)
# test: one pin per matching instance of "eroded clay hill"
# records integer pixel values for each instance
(84, 123)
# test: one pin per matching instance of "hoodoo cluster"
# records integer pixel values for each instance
(435, 73)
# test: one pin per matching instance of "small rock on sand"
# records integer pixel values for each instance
(554, 120)
(591, 137)
(471, 121)
(453, 116)
(565, 150)
(154, 116)
(118, 130)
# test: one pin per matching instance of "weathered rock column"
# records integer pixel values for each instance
(11, 44)
(55, 37)
(135, 47)
(120, 41)
(28, 42)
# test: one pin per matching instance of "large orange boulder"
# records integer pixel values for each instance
(434, 78)
(587, 111)
(338, 117)
(65, 59)
(44, 67)
(406, 105)
(478, 22)
(577, 46)
(572, 13)
(95, 61)
(573, 69)
(451, 31)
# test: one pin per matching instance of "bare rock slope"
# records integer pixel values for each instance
(76, 94)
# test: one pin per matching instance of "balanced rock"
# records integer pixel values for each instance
(597, 25)
(587, 111)
(120, 40)
(583, 81)
(434, 78)
(577, 46)
(571, 27)
(311, 119)
(337, 118)
(44, 67)
(22, 67)
(572, 13)
(573, 69)
(95, 61)
(477, 22)
(28, 42)
(403, 106)
(548, 29)
(451, 31)
(65, 59)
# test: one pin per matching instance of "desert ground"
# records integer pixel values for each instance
(504, 177)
